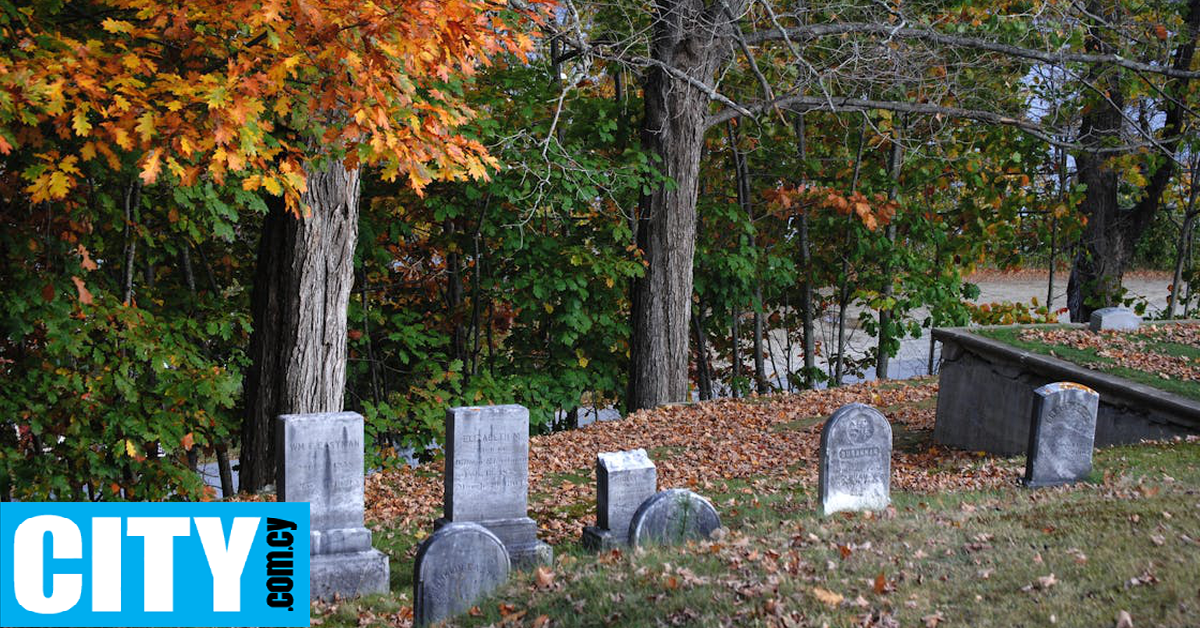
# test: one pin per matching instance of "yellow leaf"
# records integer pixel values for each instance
(130, 449)
(272, 185)
(116, 26)
(59, 184)
(121, 136)
(80, 123)
(145, 126)
(549, 308)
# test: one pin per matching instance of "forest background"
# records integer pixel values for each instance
(220, 212)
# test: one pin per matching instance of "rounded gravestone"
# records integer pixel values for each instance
(461, 563)
(673, 516)
(856, 459)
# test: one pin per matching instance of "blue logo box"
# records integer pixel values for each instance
(154, 564)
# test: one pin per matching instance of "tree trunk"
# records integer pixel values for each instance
(692, 37)
(301, 291)
(703, 374)
(1181, 248)
(806, 290)
(742, 178)
(1112, 232)
(886, 314)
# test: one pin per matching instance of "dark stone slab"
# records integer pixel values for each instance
(456, 567)
(673, 516)
(985, 397)
(624, 480)
(1114, 319)
(319, 460)
(1062, 434)
(856, 460)
(487, 477)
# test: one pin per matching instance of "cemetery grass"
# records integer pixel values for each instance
(962, 544)
(1166, 357)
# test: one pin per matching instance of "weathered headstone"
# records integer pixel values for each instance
(1061, 435)
(1114, 319)
(673, 516)
(487, 477)
(456, 566)
(624, 480)
(856, 460)
(319, 460)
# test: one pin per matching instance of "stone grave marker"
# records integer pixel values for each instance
(319, 460)
(856, 460)
(1061, 435)
(455, 567)
(624, 480)
(673, 516)
(487, 478)
(1114, 318)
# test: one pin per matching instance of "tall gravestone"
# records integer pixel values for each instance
(856, 460)
(624, 479)
(487, 477)
(456, 566)
(319, 460)
(673, 516)
(1061, 435)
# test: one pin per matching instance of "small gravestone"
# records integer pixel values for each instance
(1114, 319)
(624, 480)
(455, 567)
(1062, 434)
(673, 516)
(856, 460)
(487, 478)
(319, 460)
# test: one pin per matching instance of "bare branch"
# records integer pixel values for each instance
(885, 30)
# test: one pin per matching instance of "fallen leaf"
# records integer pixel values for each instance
(542, 621)
(881, 584)
(829, 598)
(1124, 620)
(543, 577)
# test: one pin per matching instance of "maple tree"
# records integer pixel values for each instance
(195, 118)
(249, 89)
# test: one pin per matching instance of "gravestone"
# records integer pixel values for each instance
(624, 480)
(1114, 319)
(1061, 435)
(456, 566)
(319, 460)
(487, 478)
(673, 516)
(856, 460)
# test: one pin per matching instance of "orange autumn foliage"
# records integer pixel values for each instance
(256, 88)
(872, 211)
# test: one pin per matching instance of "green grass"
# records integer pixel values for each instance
(1123, 542)
(1089, 357)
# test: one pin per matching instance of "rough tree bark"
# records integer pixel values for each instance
(301, 291)
(692, 38)
(1112, 231)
